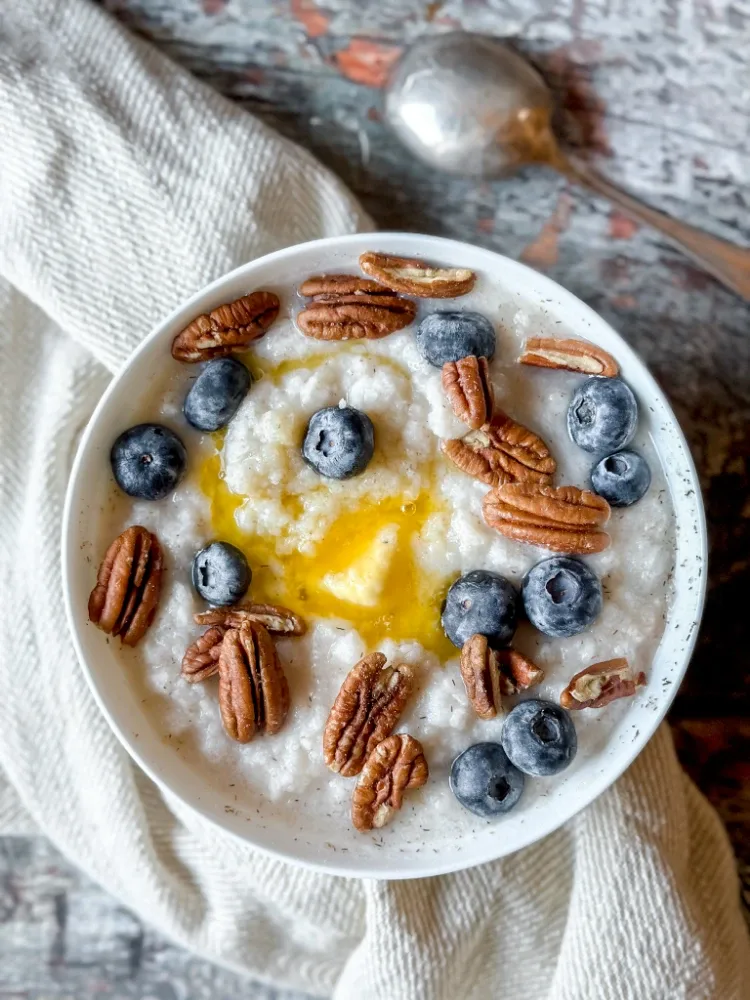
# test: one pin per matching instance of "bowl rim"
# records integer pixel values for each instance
(423, 246)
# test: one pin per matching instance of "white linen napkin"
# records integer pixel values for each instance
(125, 185)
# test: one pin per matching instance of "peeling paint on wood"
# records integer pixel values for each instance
(543, 252)
(366, 62)
(621, 227)
(314, 20)
(63, 938)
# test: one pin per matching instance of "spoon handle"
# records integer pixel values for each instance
(728, 263)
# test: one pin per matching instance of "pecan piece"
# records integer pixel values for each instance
(468, 387)
(601, 683)
(360, 316)
(341, 284)
(228, 329)
(273, 617)
(253, 691)
(128, 585)
(415, 277)
(480, 671)
(571, 355)
(366, 709)
(502, 451)
(201, 659)
(517, 672)
(393, 766)
(488, 674)
(564, 519)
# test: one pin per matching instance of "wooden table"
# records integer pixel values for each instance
(657, 93)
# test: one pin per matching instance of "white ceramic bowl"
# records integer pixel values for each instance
(90, 484)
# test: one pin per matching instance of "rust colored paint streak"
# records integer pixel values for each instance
(486, 224)
(543, 251)
(624, 302)
(580, 118)
(366, 62)
(687, 277)
(255, 75)
(213, 6)
(432, 9)
(314, 20)
(446, 21)
(621, 227)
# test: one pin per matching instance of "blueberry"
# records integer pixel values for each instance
(562, 596)
(339, 442)
(622, 479)
(148, 461)
(539, 737)
(602, 415)
(216, 394)
(484, 780)
(221, 574)
(450, 336)
(480, 602)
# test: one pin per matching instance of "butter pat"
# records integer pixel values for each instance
(363, 582)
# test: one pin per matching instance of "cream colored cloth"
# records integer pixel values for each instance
(125, 185)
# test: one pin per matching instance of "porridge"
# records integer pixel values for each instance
(366, 561)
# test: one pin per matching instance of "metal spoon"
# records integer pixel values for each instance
(469, 105)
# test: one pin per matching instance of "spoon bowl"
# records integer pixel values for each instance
(469, 105)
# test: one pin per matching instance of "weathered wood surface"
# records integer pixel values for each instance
(64, 938)
(657, 92)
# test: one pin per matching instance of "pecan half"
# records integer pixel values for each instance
(253, 691)
(571, 355)
(517, 672)
(564, 519)
(228, 329)
(468, 387)
(341, 284)
(201, 659)
(366, 709)
(601, 683)
(274, 618)
(415, 277)
(502, 451)
(361, 316)
(128, 585)
(480, 671)
(393, 766)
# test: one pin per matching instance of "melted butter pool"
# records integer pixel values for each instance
(363, 570)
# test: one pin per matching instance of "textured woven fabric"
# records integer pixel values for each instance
(124, 186)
